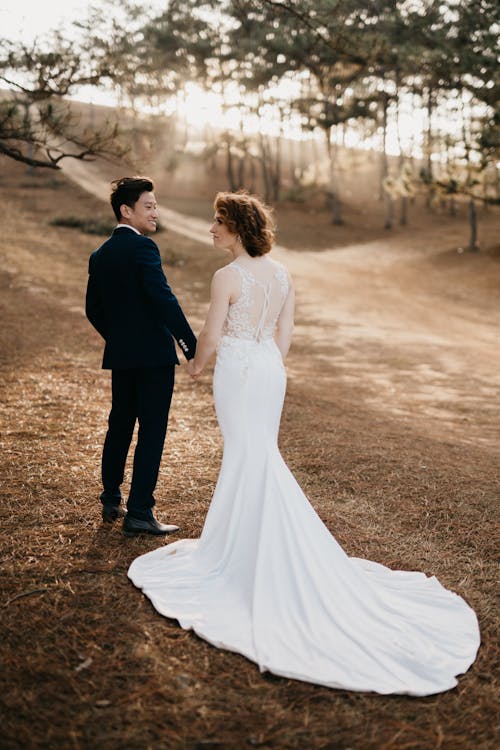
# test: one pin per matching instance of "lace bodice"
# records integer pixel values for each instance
(256, 311)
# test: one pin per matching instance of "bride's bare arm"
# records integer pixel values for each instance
(220, 296)
(284, 327)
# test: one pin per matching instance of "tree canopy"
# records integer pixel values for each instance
(356, 66)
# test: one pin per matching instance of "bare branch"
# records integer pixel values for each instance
(37, 125)
(17, 155)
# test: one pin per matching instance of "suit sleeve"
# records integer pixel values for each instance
(93, 305)
(162, 298)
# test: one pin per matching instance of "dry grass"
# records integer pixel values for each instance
(87, 663)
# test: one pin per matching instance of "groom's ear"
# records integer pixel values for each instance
(125, 211)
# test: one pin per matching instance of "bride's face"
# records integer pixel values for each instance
(222, 237)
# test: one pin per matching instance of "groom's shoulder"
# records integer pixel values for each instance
(142, 245)
(132, 239)
(129, 239)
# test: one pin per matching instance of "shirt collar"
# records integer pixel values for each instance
(127, 226)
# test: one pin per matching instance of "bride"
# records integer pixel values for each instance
(266, 578)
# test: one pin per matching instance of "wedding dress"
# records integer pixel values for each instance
(266, 578)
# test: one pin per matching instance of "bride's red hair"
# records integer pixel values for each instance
(247, 216)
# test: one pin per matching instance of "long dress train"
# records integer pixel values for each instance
(267, 579)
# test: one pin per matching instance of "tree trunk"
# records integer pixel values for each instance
(384, 169)
(241, 172)
(430, 175)
(316, 158)
(185, 119)
(253, 175)
(334, 190)
(211, 161)
(265, 169)
(473, 227)
(389, 210)
(403, 217)
(276, 181)
(27, 118)
(242, 157)
(291, 162)
(229, 165)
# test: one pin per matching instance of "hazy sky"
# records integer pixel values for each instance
(25, 19)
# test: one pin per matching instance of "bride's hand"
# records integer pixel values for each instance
(194, 370)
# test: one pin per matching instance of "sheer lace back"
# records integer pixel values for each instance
(256, 311)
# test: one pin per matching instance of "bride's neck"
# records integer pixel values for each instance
(239, 252)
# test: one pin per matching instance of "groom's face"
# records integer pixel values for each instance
(143, 215)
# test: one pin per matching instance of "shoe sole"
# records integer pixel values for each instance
(111, 518)
(148, 533)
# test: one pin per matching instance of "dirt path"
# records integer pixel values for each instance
(384, 318)
(392, 326)
(87, 176)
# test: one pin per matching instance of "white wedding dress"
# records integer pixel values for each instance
(266, 578)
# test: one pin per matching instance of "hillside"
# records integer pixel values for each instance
(390, 425)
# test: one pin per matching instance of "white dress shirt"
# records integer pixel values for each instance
(127, 226)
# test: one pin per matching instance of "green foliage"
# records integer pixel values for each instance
(350, 62)
(102, 227)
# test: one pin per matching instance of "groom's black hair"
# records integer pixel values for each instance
(128, 190)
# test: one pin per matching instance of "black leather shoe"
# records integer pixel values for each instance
(111, 513)
(133, 526)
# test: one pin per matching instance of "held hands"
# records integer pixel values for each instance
(194, 370)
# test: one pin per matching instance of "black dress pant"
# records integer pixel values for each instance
(143, 394)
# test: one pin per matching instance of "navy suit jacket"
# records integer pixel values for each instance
(132, 306)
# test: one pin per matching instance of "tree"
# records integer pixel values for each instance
(37, 124)
(470, 90)
(272, 40)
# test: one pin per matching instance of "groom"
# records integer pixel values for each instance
(131, 305)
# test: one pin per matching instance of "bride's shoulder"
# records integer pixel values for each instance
(278, 265)
(281, 270)
(225, 276)
(228, 271)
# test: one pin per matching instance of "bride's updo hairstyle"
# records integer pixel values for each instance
(249, 218)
